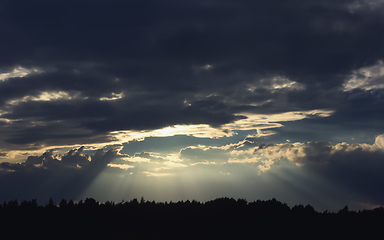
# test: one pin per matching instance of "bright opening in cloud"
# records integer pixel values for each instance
(207, 67)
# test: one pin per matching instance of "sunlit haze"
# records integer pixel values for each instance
(176, 100)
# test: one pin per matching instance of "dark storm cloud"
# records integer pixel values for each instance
(358, 170)
(46, 176)
(179, 62)
(75, 158)
(87, 118)
(355, 167)
(359, 112)
(292, 37)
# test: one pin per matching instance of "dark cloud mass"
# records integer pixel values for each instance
(76, 73)
(354, 167)
(52, 175)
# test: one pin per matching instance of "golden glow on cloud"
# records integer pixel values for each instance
(206, 162)
(262, 123)
(379, 141)
(231, 145)
(366, 78)
(252, 122)
(276, 83)
(295, 152)
(261, 133)
(18, 72)
(200, 131)
(207, 67)
(136, 159)
(121, 166)
(245, 160)
(114, 96)
(289, 151)
(266, 166)
(152, 174)
(46, 97)
(8, 121)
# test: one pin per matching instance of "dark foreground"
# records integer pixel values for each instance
(222, 218)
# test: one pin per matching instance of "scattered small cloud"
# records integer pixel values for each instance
(207, 67)
(155, 174)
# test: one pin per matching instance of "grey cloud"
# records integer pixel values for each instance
(32, 160)
(143, 155)
(146, 155)
(34, 133)
(6, 166)
(196, 155)
(264, 146)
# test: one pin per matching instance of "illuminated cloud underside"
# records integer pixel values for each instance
(218, 99)
(114, 96)
(296, 152)
(121, 166)
(256, 122)
(18, 72)
(276, 83)
(367, 78)
(46, 97)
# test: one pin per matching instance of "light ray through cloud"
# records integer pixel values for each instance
(246, 99)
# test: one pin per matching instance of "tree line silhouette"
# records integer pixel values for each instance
(222, 218)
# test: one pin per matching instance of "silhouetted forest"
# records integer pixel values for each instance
(222, 218)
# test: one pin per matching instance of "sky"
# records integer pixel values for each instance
(173, 100)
